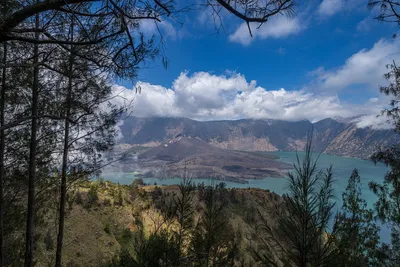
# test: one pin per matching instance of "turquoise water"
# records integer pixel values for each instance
(342, 168)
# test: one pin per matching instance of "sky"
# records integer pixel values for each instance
(327, 60)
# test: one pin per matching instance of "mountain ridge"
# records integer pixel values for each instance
(329, 135)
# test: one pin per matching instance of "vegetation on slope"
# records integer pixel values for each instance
(106, 221)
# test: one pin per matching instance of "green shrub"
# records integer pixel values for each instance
(78, 198)
(48, 241)
(138, 182)
(92, 196)
(107, 228)
(107, 202)
(120, 199)
(126, 234)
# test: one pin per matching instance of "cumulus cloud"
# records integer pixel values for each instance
(329, 7)
(277, 27)
(366, 67)
(153, 100)
(206, 96)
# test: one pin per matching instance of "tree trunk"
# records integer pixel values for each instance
(32, 156)
(2, 144)
(63, 190)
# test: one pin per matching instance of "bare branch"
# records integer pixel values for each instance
(163, 7)
(255, 10)
(19, 16)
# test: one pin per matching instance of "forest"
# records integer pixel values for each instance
(59, 115)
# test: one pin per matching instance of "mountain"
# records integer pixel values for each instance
(342, 138)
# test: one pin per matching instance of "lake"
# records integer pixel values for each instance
(342, 168)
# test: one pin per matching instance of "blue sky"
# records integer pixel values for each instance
(329, 50)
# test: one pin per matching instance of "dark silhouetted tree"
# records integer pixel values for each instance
(388, 204)
(356, 235)
(296, 231)
(184, 215)
(213, 239)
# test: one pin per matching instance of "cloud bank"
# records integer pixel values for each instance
(206, 96)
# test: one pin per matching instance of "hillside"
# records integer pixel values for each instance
(98, 229)
(334, 137)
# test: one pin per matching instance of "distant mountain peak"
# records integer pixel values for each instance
(338, 136)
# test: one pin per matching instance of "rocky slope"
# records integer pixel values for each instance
(330, 136)
(195, 156)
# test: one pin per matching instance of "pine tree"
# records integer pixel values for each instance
(184, 214)
(2, 139)
(357, 235)
(213, 240)
(299, 236)
(387, 206)
(32, 155)
(67, 114)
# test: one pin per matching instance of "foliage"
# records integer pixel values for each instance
(156, 250)
(387, 206)
(92, 196)
(120, 198)
(357, 235)
(212, 243)
(58, 61)
(299, 235)
(107, 228)
(78, 198)
(184, 214)
(138, 182)
(48, 240)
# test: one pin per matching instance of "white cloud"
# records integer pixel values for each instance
(207, 17)
(206, 96)
(203, 91)
(330, 7)
(366, 67)
(373, 121)
(153, 100)
(281, 50)
(164, 27)
(278, 27)
(365, 24)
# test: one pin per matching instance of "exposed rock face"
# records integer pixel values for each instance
(248, 143)
(354, 141)
(330, 136)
